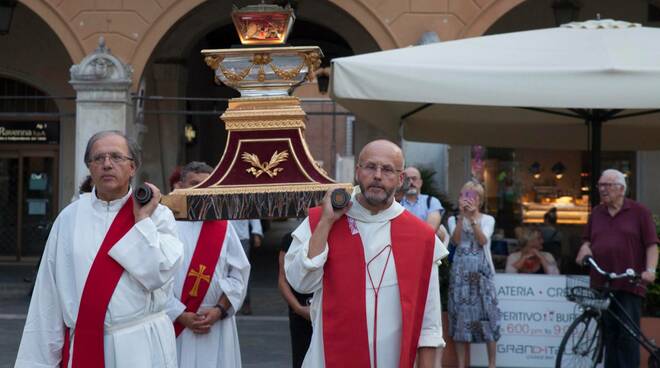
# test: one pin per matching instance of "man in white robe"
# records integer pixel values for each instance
(136, 332)
(210, 338)
(251, 234)
(370, 215)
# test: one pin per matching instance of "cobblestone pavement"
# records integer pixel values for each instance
(264, 339)
(264, 336)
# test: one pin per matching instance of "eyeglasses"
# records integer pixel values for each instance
(607, 185)
(115, 157)
(371, 169)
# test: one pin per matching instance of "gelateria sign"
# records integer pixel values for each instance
(29, 132)
(535, 316)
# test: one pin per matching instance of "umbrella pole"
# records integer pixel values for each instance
(595, 123)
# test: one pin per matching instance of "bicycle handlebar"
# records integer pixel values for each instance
(589, 261)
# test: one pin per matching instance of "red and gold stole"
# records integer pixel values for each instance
(101, 282)
(345, 337)
(202, 266)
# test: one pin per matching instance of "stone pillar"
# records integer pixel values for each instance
(103, 100)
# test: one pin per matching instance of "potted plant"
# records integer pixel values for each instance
(429, 187)
(652, 301)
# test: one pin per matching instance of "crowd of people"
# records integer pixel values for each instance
(122, 284)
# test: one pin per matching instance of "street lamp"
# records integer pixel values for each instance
(566, 11)
(6, 13)
(323, 79)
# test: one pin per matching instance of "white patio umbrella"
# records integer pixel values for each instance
(586, 85)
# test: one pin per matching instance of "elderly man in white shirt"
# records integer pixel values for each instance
(251, 234)
(209, 288)
(106, 273)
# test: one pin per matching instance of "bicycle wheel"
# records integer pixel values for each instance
(582, 343)
(653, 362)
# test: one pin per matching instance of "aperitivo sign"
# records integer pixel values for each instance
(534, 317)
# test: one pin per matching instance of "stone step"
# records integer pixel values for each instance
(14, 290)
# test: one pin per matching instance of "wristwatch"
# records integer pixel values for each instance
(651, 270)
(223, 311)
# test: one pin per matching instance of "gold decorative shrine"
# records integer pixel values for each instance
(266, 170)
(263, 24)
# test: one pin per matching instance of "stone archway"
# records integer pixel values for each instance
(78, 29)
(366, 16)
(487, 17)
(359, 13)
(45, 65)
(157, 32)
(60, 27)
(174, 67)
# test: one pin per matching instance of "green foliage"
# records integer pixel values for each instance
(652, 302)
(443, 275)
(430, 187)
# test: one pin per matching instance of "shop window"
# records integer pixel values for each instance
(523, 184)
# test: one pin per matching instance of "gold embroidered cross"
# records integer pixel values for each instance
(199, 275)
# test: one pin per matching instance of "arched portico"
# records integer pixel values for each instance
(157, 32)
(487, 17)
(145, 25)
(369, 19)
(59, 26)
(360, 14)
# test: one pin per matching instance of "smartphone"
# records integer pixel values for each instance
(471, 195)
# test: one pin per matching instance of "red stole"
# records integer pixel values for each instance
(345, 337)
(202, 266)
(101, 282)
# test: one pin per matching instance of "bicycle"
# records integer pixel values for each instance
(582, 344)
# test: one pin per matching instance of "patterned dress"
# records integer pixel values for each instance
(473, 312)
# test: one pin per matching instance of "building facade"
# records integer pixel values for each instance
(173, 105)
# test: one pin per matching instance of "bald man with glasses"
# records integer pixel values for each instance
(371, 269)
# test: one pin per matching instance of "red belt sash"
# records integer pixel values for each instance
(345, 337)
(101, 282)
(202, 266)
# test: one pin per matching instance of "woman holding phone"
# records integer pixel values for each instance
(473, 312)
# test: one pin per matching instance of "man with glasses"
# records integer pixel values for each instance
(250, 233)
(106, 273)
(370, 267)
(425, 207)
(621, 234)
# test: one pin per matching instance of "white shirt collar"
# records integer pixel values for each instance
(362, 214)
(114, 205)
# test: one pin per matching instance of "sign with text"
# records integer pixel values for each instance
(29, 132)
(535, 316)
